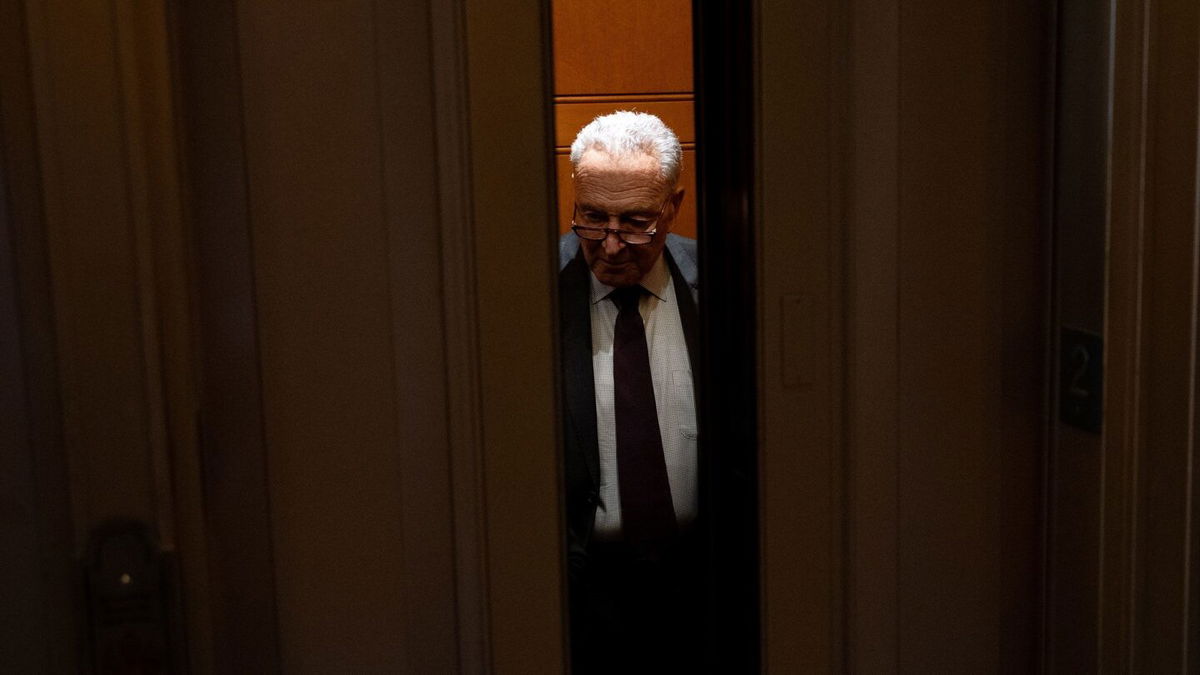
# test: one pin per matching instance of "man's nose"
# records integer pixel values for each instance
(613, 244)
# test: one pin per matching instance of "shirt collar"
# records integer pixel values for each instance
(655, 282)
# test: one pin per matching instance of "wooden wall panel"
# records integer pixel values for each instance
(573, 112)
(637, 47)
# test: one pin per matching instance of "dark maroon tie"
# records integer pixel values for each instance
(647, 514)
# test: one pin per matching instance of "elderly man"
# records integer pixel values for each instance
(628, 320)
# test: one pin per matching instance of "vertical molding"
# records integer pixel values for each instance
(102, 86)
(1173, 76)
(511, 185)
(735, 355)
(147, 85)
(1018, 227)
(1191, 579)
(176, 280)
(1149, 569)
(1075, 458)
(240, 565)
(405, 73)
(1043, 644)
(92, 135)
(136, 84)
(1123, 312)
(42, 87)
(1191, 618)
(461, 326)
(55, 621)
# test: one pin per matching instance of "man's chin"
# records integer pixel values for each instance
(617, 277)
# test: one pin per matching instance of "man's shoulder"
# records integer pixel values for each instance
(684, 253)
(568, 246)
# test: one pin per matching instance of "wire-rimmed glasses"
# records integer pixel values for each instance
(634, 230)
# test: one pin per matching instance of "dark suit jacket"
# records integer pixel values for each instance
(581, 454)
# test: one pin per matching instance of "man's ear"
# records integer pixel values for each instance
(677, 200)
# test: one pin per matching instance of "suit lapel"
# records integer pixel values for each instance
(688, 316)
(576, 325)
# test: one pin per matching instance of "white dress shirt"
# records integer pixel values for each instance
(671, 374)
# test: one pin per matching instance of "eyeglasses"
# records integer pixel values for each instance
(635, 230)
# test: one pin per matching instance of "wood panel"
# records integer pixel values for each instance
(571, 114)
(635, 47)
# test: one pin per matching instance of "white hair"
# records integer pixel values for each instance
(626, 133)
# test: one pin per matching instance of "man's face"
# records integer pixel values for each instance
(627, 187)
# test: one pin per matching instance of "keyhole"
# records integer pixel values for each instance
(1079, 365)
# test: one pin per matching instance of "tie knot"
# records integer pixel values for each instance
(627, 298)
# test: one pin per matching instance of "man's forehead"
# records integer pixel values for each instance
(601, 162)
